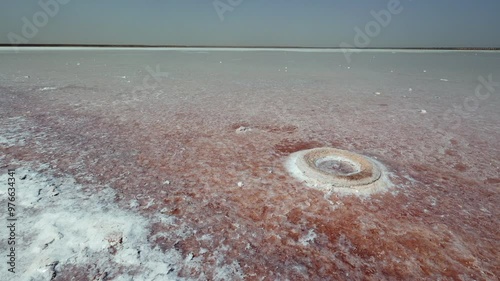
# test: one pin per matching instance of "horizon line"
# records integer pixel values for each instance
(241, 47)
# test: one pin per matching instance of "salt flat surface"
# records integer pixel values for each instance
(158, 134)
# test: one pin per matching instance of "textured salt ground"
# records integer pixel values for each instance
(441, 221)
(62, 226)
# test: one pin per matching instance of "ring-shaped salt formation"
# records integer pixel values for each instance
(338, 170)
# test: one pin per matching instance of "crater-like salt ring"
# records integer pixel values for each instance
(336, 169)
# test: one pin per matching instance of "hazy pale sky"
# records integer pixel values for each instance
(307, 23)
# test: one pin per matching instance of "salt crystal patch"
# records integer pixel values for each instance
(80, 228)
(243, 129)
(307, 239)
(48, 88)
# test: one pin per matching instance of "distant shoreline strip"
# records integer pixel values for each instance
(248, 47)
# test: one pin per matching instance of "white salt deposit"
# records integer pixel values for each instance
(48, 88)
(308, 238)
(60, 224)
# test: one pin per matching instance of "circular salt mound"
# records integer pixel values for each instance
(338, 170)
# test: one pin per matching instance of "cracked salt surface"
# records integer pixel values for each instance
(61, 224)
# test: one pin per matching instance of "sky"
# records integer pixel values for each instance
(293, 23)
